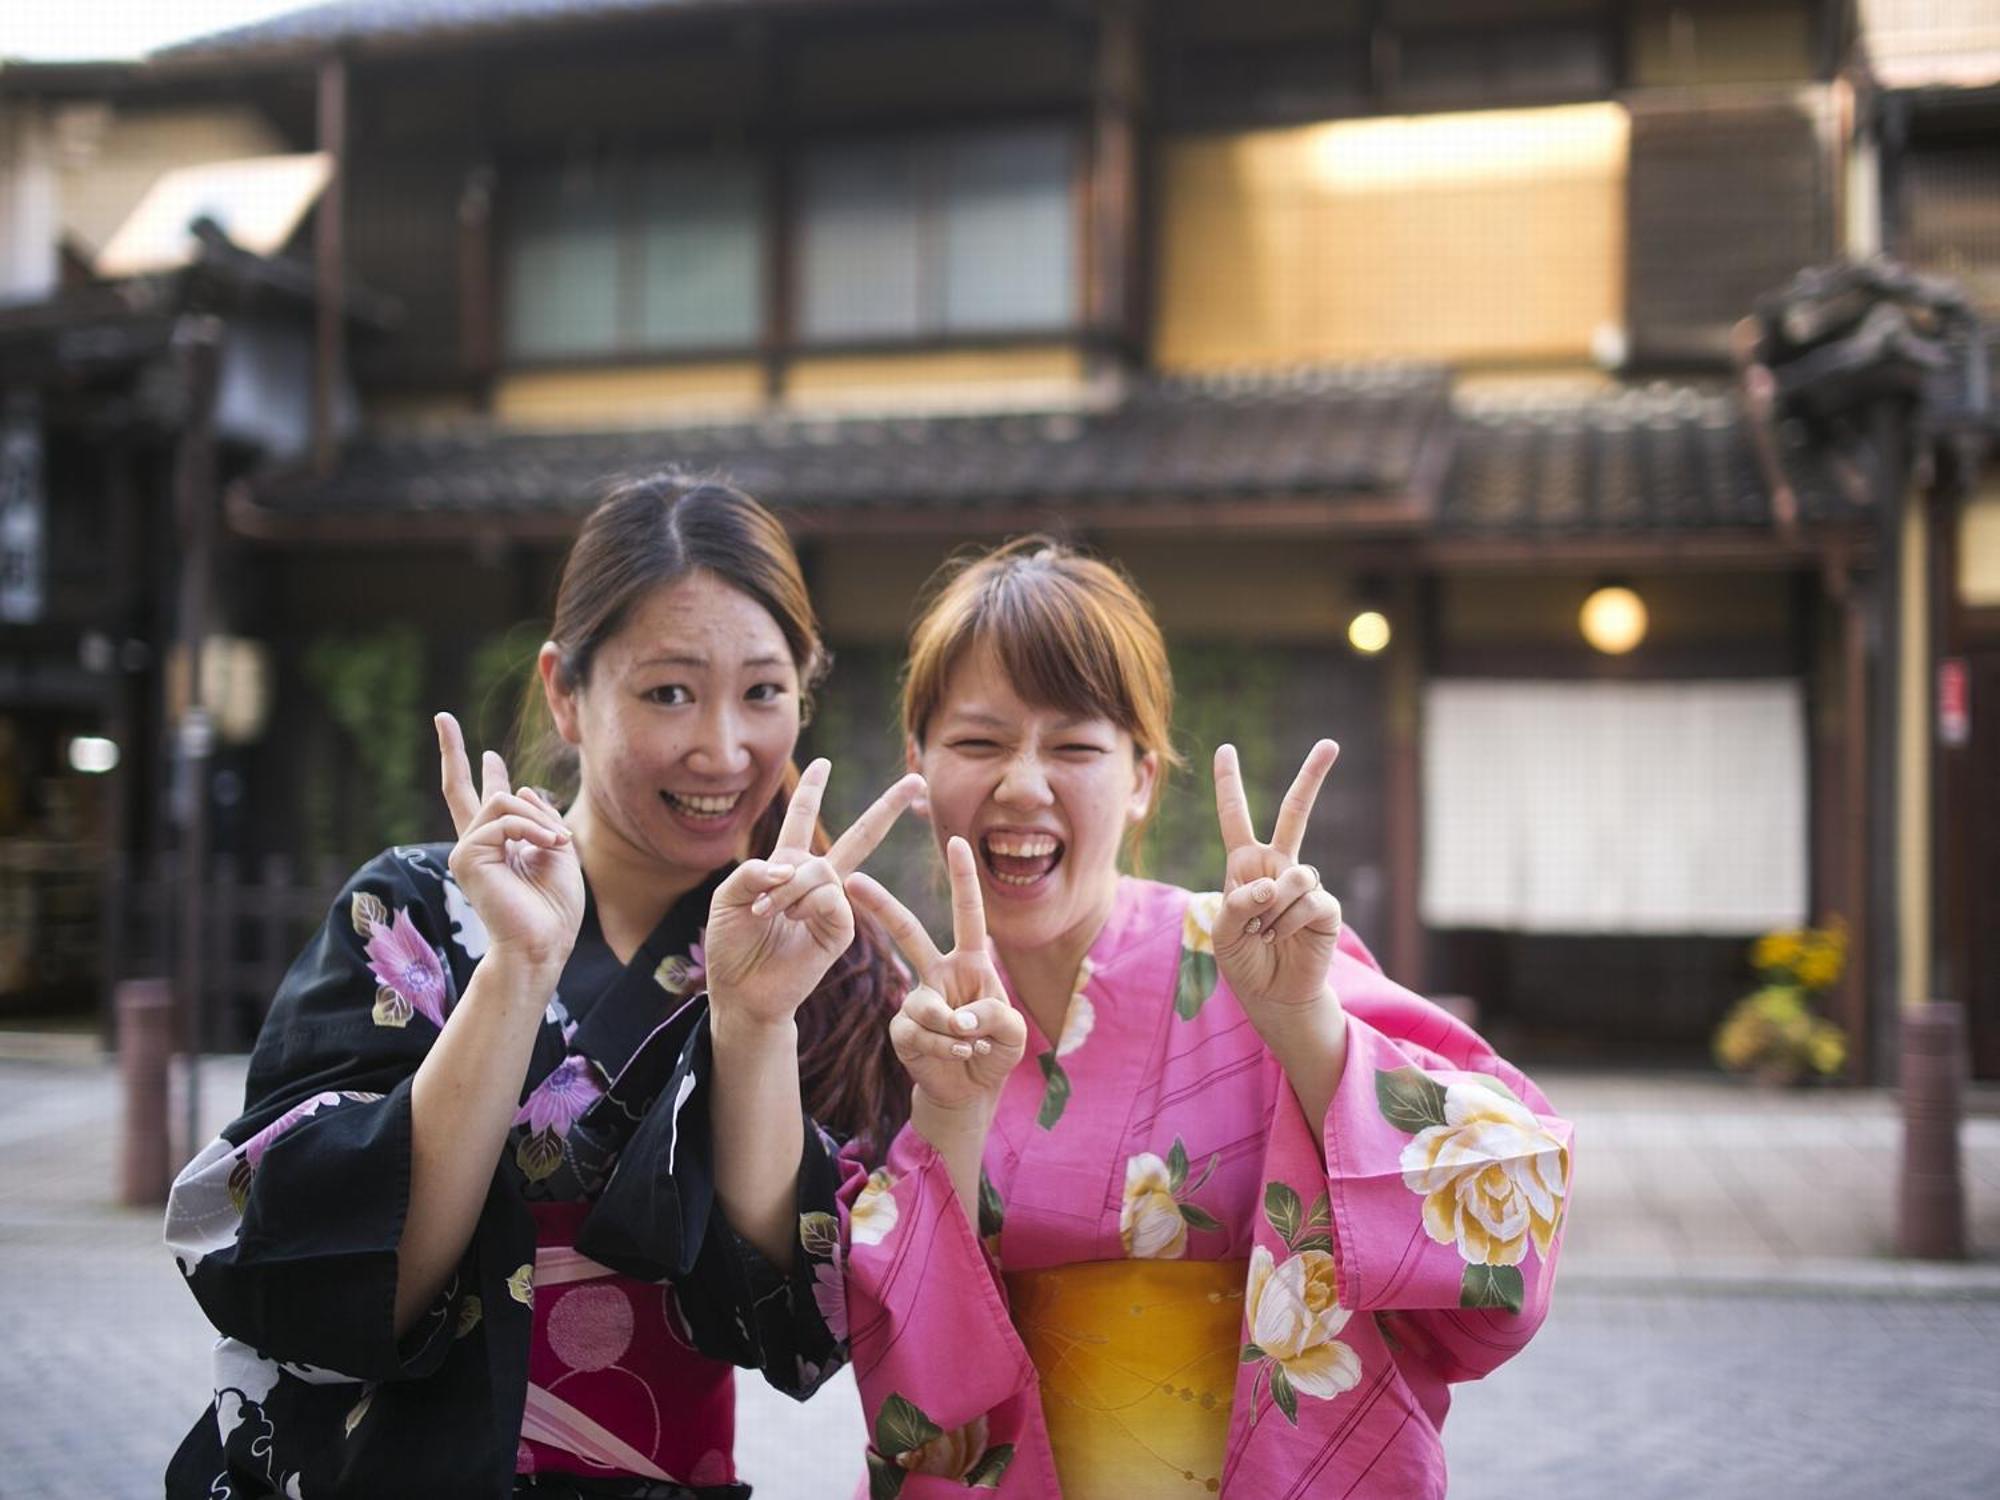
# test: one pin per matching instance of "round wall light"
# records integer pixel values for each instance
(1368, 632)
(1613, 619)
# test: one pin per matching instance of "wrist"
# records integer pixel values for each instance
(526, 963)
(937, 1122)
(733, 1027)
(1321, 1017)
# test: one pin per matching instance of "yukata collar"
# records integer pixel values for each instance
(635, 1006)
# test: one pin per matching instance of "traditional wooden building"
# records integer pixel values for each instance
(1414, 309)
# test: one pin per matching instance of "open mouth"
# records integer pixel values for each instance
(1020, 860)
(696, 808)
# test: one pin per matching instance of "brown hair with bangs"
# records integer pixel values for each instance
(1072, 634)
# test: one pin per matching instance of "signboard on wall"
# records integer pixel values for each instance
(23, 515)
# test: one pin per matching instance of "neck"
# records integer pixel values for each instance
(1044, 975)
(633, 888)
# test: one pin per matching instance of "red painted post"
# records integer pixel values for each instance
(145, 1046)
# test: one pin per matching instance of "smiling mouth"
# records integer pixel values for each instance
(1020, 859)
(703, 809)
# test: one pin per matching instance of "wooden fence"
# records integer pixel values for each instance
(256, 920)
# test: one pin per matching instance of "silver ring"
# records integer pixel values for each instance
(1313, 870)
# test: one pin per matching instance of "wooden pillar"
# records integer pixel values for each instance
(1403, 684)
(329, 270)
(1111, 215)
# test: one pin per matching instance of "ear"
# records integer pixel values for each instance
(560, 695)
(1145, 777)
(913, 760)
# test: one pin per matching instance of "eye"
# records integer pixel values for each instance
(972, 746)
(668, 695)
(766, 692)
(1080, 750)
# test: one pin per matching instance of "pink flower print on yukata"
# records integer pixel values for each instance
(571, 1088)
(410, 973)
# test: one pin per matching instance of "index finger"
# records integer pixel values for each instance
(904, 930)
(804, 810)
(968, 908)
(459, 797)
(1232, 805)
(1296, 810)
(868, 830)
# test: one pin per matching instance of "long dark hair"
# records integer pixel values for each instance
(643, 534)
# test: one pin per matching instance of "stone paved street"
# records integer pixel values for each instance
(1647, 1384)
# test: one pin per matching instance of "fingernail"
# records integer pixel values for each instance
(761, 905)
(1255, 924)
(965, 1020)
(982, 1046)
(1264, 891)
(1272, 934)
(563, 834)
(779, 872)
(961, 1049)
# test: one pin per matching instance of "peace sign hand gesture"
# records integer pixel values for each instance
(776, 925)
(956, 1034)
(515, 859)
(1275, 934)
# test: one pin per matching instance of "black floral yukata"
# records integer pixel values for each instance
(579, 1346)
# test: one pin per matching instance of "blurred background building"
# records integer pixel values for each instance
(1374, 337)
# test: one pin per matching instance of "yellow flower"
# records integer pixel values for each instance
(950, 1454)
(874, 1213)
(1150, 1225)
(1198, 927)
(1293, 1313)
(1492, 1178)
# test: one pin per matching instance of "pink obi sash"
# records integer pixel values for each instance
(614, 1389)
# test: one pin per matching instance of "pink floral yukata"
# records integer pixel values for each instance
(1159, 1127)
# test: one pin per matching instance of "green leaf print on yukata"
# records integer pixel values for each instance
(1078, 1023)
(1197, 972)
(908, 1442)
(1055, 1095)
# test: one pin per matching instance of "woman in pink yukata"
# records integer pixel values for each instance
(1254, 1207)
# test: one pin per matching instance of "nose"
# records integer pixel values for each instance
(720, 748)
(1025, 784)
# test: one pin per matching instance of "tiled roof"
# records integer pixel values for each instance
(1348, 435)
(1648, 459)
(346, 23)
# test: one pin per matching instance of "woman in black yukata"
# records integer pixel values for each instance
(524, 1167)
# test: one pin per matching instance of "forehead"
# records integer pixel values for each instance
(699, 616)
(979, 688)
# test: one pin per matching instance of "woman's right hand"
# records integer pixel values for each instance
(956, 1033)
(515, 859)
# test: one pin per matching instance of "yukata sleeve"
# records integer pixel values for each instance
(947, 1388)
(286, 1226)
(1445, 1181)
(658, 1219)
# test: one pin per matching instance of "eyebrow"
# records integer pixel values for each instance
(695, 659)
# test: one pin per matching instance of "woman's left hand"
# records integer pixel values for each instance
(1275, 935)
(777, 924)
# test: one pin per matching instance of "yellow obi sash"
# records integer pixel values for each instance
(1137, 1360)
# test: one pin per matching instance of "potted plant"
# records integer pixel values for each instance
(1775, 1034)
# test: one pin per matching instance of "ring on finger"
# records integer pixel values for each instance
(1312, 870)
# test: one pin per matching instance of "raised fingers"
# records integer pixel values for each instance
(968, 908)
(868, 830)
(803, 812)
(1232, 804)
(1296, 810)
(904, 930)
(459, 796)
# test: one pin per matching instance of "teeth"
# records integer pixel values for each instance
(1014, 879)
(705, 807)
(1015, 846)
